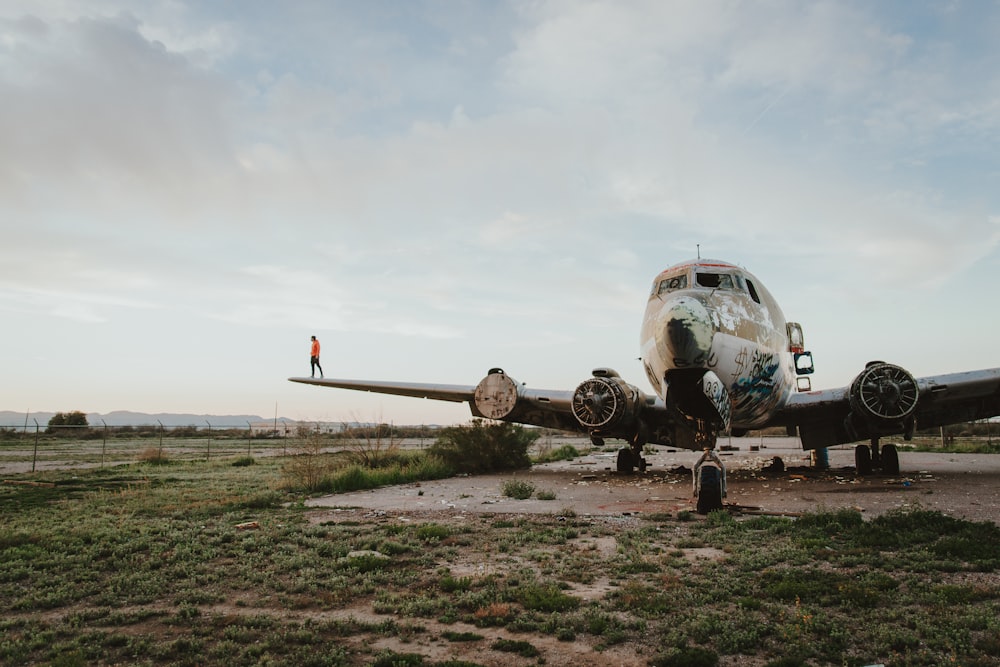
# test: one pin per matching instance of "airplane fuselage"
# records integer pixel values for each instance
(708, 316)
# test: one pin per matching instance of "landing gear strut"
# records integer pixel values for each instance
(629, 459)
(867, 459)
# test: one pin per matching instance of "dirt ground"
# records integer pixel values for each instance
(965, 486)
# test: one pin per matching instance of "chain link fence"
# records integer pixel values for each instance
(34, 447)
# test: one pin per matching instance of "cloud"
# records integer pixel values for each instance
(107, 120)
(480, 176)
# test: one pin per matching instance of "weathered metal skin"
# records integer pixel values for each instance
(714, 322)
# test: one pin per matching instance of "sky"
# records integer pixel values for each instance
(190, 189)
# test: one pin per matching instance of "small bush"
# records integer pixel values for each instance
(393, 659)
(153, 456)
(546, 598)
(495, 613)
(484, 446)
(564, 453)
(433, 532)
(243, 462)
(522, 648)
(517, 489)
(545, 495)
(689, 656)
(450, 584)
(309, 468)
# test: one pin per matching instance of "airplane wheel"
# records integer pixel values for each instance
(642, 464)
(863, 460)
(625, 462)
(890, 460)
(710, 490)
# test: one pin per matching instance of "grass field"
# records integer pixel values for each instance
(217, 563)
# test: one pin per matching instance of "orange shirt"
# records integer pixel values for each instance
(315, 349)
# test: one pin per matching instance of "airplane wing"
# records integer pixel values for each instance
(538, 407)
(865, 409)
(456, 393)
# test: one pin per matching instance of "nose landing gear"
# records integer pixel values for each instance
(709, 482)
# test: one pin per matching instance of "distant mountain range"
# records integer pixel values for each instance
(126, 418)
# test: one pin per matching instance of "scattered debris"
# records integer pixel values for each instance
(776, 465)
(248, 525)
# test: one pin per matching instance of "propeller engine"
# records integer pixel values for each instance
(605, 405)
(885, 397)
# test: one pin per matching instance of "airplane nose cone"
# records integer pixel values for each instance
(689, 332)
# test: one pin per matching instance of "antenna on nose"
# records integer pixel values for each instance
(698, 245)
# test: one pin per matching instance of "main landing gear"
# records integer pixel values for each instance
(867, 459)
(629, 460)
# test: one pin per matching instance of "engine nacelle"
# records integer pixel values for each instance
(496, 395)
(607, 405)
(885, 397)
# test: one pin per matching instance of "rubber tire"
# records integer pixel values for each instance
(890, 460)
(709, 490)
(626, 463)
(863, 460)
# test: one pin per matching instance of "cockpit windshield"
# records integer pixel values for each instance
(716, 280)
(672, 283)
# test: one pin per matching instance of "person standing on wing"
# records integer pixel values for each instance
(314, 358)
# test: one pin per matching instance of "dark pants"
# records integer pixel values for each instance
(314, 363)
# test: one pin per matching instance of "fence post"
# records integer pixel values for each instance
(208, 452)
(160, 455)
(249, 436)
(34, 457)
(104, 443)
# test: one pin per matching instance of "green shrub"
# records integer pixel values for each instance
(689, 656)
(517, 489)
(546, 598)
(522, 648)
(482, 446)
(393, 659)
(433, 532)
(564, 453)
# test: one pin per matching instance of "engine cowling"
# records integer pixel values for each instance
(496, 395)
(884, 395)
(606, 404)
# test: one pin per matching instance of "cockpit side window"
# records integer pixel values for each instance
(715, 280)
(672, 283)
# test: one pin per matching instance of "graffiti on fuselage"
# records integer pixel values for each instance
(754, 382)
(715, 391)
